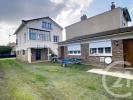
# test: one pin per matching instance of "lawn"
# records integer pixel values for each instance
(46, 81)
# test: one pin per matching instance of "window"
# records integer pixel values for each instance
(44, 24)
(108, 50)
(93, 50)
(32, 36)
(100, 48)
(39, 35)
(79, 52)
(74, 49)
(56, 38)
(70, 52)
(49, 26)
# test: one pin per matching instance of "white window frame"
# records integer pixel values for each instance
(100, 54)
(77, 50)
(56, 38)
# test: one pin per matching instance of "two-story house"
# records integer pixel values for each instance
(37, 39)
(100, 40)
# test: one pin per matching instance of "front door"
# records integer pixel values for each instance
(62, 52)
(38, 54)
(128, 51)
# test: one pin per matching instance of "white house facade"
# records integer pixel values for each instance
(37, 38)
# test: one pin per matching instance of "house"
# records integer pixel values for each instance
(37, 39)
(113, 19)
(105, 36)
(12, 45)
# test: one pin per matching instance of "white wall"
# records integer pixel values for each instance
(106, 21)
(37, 24)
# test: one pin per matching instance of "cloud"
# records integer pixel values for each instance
(57, 1)
(64, 12)
(15, 10)
(72, 11)
(6, 30)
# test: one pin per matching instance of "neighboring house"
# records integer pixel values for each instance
(115, 43)
(113, 19)
(37, 38)
(12, 45)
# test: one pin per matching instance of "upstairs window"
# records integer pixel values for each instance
(46, 25)
(56, 38)
(49, 26)
(32, 36)
(40, 35)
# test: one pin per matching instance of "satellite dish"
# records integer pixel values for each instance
(108, 60)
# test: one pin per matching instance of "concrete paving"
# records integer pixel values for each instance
(125, 75)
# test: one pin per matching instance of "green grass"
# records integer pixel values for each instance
(46, 81)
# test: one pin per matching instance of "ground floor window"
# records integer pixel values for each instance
(100, 48)
(74, 52)
(74, 49)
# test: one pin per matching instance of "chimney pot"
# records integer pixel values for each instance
(113, 6)
(84, 17)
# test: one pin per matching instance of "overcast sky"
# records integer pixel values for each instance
(65, 12)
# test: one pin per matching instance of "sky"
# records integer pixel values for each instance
(64, 12)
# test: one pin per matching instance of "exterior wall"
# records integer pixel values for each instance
(117, 51)
(66, 53)
(21, 40)
(117, 54)
(107, 21)
(22, 57)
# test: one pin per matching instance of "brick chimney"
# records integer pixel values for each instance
(113, 6)
(84, 17)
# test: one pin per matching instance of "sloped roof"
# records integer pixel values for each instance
(24, 22)
(91, 36)
(125, 14)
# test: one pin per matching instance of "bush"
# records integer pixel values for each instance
(5, 50)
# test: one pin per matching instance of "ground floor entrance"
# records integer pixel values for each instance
(39, 54)
(62, 48)
(128, 51)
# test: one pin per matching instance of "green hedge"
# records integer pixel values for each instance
(5, 50)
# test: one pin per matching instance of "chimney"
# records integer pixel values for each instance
(84, 17)
(113, 6)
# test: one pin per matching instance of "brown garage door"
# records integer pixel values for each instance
(128, 50)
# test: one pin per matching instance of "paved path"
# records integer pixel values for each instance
(125, 75)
